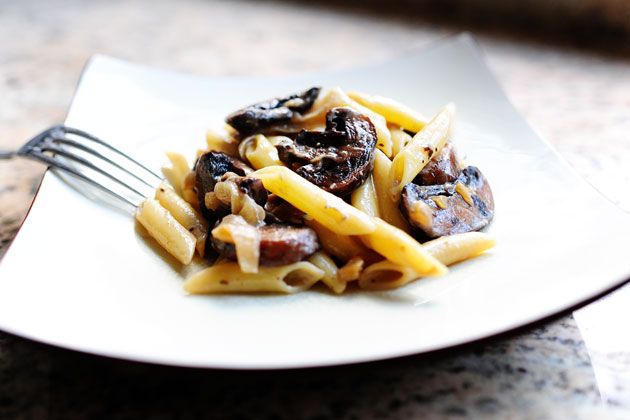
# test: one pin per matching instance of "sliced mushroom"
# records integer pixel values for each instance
(454, 207)
(210, 168)
(258, 117)
(279, 244)
(441, 169)
(338, 159)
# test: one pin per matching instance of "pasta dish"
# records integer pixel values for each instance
(346, 188)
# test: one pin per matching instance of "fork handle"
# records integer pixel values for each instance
(6, 154)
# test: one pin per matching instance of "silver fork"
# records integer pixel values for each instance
(92, 160)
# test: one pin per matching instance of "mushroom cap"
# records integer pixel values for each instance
(258, 117)
(339, 159)
(454, 207)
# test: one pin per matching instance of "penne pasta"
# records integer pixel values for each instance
(462, 246)
(393, 111)
(259, 212)
(343, 247)
(428, 142)
(400, 139)
(221, 142)
(183, 212)
(388, 209)
(329, 210)
(259, 151)
(323, 261)
(178, 171)
(227, 277)
(400, 248)
(385, 275)
(447, 249)
(364, 198)
(167, 231)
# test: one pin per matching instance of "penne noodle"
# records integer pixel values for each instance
(323, 261)
(400, 139)
(447, 249)
(393, 111)
(386, 275)
(227, 277)
(167, 231)
(413, 158)
(324, 207)
(178, 171)
(336, 97)
(364, 198)
(221, 142)
(462, 246)
(259, 151)
(400, 248)
(183, 212)
(388, 209)
(188, 190)
(343, 247)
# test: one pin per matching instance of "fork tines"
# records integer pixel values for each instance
(94, 161)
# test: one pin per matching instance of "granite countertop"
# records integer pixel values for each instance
(578, 99)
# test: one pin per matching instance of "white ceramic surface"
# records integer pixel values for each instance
(78, 275)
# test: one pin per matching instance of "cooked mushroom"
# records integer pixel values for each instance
(279, 244)
(210, 168)
(338, 159)
(441, 169)
(262, 115)
(454, 207)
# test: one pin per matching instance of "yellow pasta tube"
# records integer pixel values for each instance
(259, 151)
(178, 171)
(400, 248)
(227, 277)
(412, 158)
(323, 261)
(393, 111)
(364, 198)
(385, 275)
(400, 139)
(343, 247)
(326, 208)
(447, 249)
(183, 212)
(167, 231)
(455, 248)
(388, 209)
(221, 142)
(336, 97)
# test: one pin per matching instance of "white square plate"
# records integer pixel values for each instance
(79, 276)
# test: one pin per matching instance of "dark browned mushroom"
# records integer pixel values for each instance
(338, 159)
(258, 117)
(441, 169)
(279, 244)
(211, 167)
(454, 207)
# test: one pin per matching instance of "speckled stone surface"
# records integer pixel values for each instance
(579, 100)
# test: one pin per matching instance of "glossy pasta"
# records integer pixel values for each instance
(347, 189)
